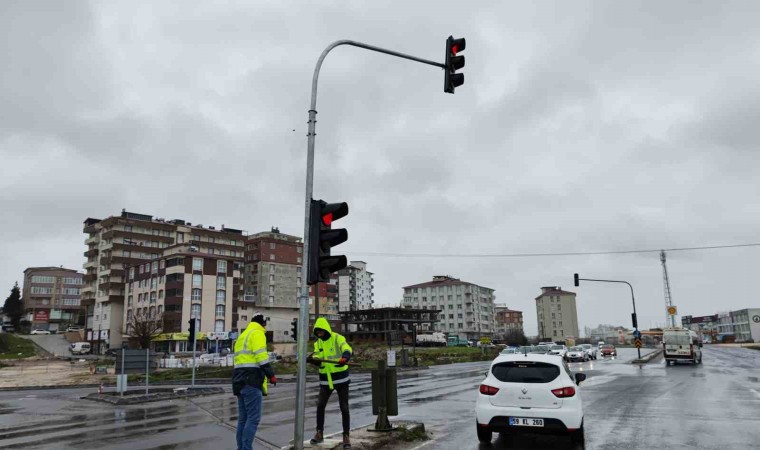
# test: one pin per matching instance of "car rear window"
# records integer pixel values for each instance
(676, 339)
(525, 372)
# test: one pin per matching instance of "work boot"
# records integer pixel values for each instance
(346, 442)
(317, 439)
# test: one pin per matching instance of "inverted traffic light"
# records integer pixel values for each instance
(294, 329)
(191, 330)
(322, 238)
(454, 62)
(577, 281)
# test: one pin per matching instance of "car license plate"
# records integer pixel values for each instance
(523, 422)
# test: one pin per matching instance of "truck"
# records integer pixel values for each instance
(431, 340)
(456, 341)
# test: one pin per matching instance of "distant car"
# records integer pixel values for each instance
(600, 345)
(530, 394)
(540, 350)
(40, 332)
(577, 353)
(608, 350)
(79, 348)
(590, 350)
(111, 352)
(509, 351)
(559, 350)
(525, 349)
(73, 329)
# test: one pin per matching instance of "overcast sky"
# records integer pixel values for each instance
(580, 127)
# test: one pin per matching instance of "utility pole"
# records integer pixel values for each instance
(451, 81)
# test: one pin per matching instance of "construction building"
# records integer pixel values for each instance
(557, 314)
(386, 324)
(355, 287)
(132, 239)
(467, 310)
(51, 297)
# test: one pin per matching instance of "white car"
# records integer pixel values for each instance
(530, 394)
(577, 353)
(590, 350)
(40, 332)
(559, 350)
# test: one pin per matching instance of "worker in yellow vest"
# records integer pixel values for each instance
(249, 379)
(331, 346)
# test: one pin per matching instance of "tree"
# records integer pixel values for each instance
(14, 307)
(143, 329)
(516, 337)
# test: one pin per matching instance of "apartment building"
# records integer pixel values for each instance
(557, 314)
(131, 239)
(355, 287)
(742, 325)
(51, 297)
(507, 321)
(466, 309)
(185, 283)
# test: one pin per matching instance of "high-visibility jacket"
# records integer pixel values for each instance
(333, 348)
(251, 358)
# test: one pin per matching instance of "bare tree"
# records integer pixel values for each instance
(143, 328)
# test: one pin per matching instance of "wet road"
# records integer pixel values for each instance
(709, 406)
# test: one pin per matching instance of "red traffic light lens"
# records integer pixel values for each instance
(327, 219)
(454, 49)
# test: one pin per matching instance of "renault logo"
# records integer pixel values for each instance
(524, 390)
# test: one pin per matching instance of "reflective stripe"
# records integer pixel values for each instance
(248, 352)
(341, 381)
(248, 365)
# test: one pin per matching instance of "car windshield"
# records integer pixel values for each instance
(557, 347)
(525, 372)
(576, 349)
(608, 347)
(586, 345)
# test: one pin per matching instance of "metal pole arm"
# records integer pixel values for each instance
(615, 281)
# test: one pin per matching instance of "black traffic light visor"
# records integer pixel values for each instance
(333, 211)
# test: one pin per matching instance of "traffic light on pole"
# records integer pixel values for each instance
(294, 329)
(634, 321)
(577, 281)
(322, 238)
(454, 62)
(191, 330)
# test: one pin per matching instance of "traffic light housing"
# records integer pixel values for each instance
(634, 321)
(322, 238)
(294, 329)
(454, 62)
(577, 281)
(191, 330)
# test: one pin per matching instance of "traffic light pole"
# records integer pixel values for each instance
(633, 299)
(303, 314)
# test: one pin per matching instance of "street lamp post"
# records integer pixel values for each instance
(633, 300)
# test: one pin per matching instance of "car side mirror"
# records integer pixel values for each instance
(580, 377)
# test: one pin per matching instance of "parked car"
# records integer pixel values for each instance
(559, 350)
(79, 348)
(600, 345)
(608, 350)
(540, 349)
(111, 352)
(530, 394)
(73, 329)
(679, 344)
(590, 350)
(39, 331)
(577, 353)
(509, 351)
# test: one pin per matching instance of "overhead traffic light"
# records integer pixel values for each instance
(454, 62)
(294, 329)
(322, 238)
(577, 282)
(634, 321)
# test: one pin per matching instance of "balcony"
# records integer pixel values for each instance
(91, 253)
(92, 240)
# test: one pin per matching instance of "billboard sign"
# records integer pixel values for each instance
(41, 315)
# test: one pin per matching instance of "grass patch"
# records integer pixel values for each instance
(14, 347)
(284, 367)
(417, 433)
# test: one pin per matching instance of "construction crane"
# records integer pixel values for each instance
(668, 296)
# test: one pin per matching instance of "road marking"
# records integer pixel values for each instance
(422, 445)
(755, 392)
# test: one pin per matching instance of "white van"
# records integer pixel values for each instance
(79, 348)
(680, 344)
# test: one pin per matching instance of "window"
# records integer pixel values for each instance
(129, 315)
(153, 297)
(141, 268)
(197, 237)
(160, 309)
(271, 299)
(153, 283)
(131, 272)
(300, 250)
(219, 326)
(197, 280)
(244, 318)
(271, 257)
(459, 306)
(128, 228)
(459, 316)
(211, 239)
(559, 307)
(271, 268)
(219, 310)
(299, 260)
(161, 294)
(298, 269)
(451, 306)
(459, 326)
(139, 298)
(161, 279)
(197, 263)
(195, 312)
(272, 246)
(451, 316)
(129, 300)
(298, 281)
(196, 295)
(221, 266)
(221, 296)
(271, 289)
(221, 282)
(161, 264)
(152, 312)
(211, 251)
(180, 237)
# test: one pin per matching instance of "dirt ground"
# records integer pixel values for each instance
(49, 372)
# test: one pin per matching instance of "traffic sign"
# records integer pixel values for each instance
(672, 310)
(637, 343)
(637, 334)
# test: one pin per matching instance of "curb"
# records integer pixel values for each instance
(648, 358)
(206, 381)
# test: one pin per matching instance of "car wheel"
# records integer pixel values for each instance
(484, 434)
(578, 438)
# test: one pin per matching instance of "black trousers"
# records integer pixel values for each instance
(324, 396)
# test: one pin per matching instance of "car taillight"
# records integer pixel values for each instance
(563, 392)
(488, 390)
